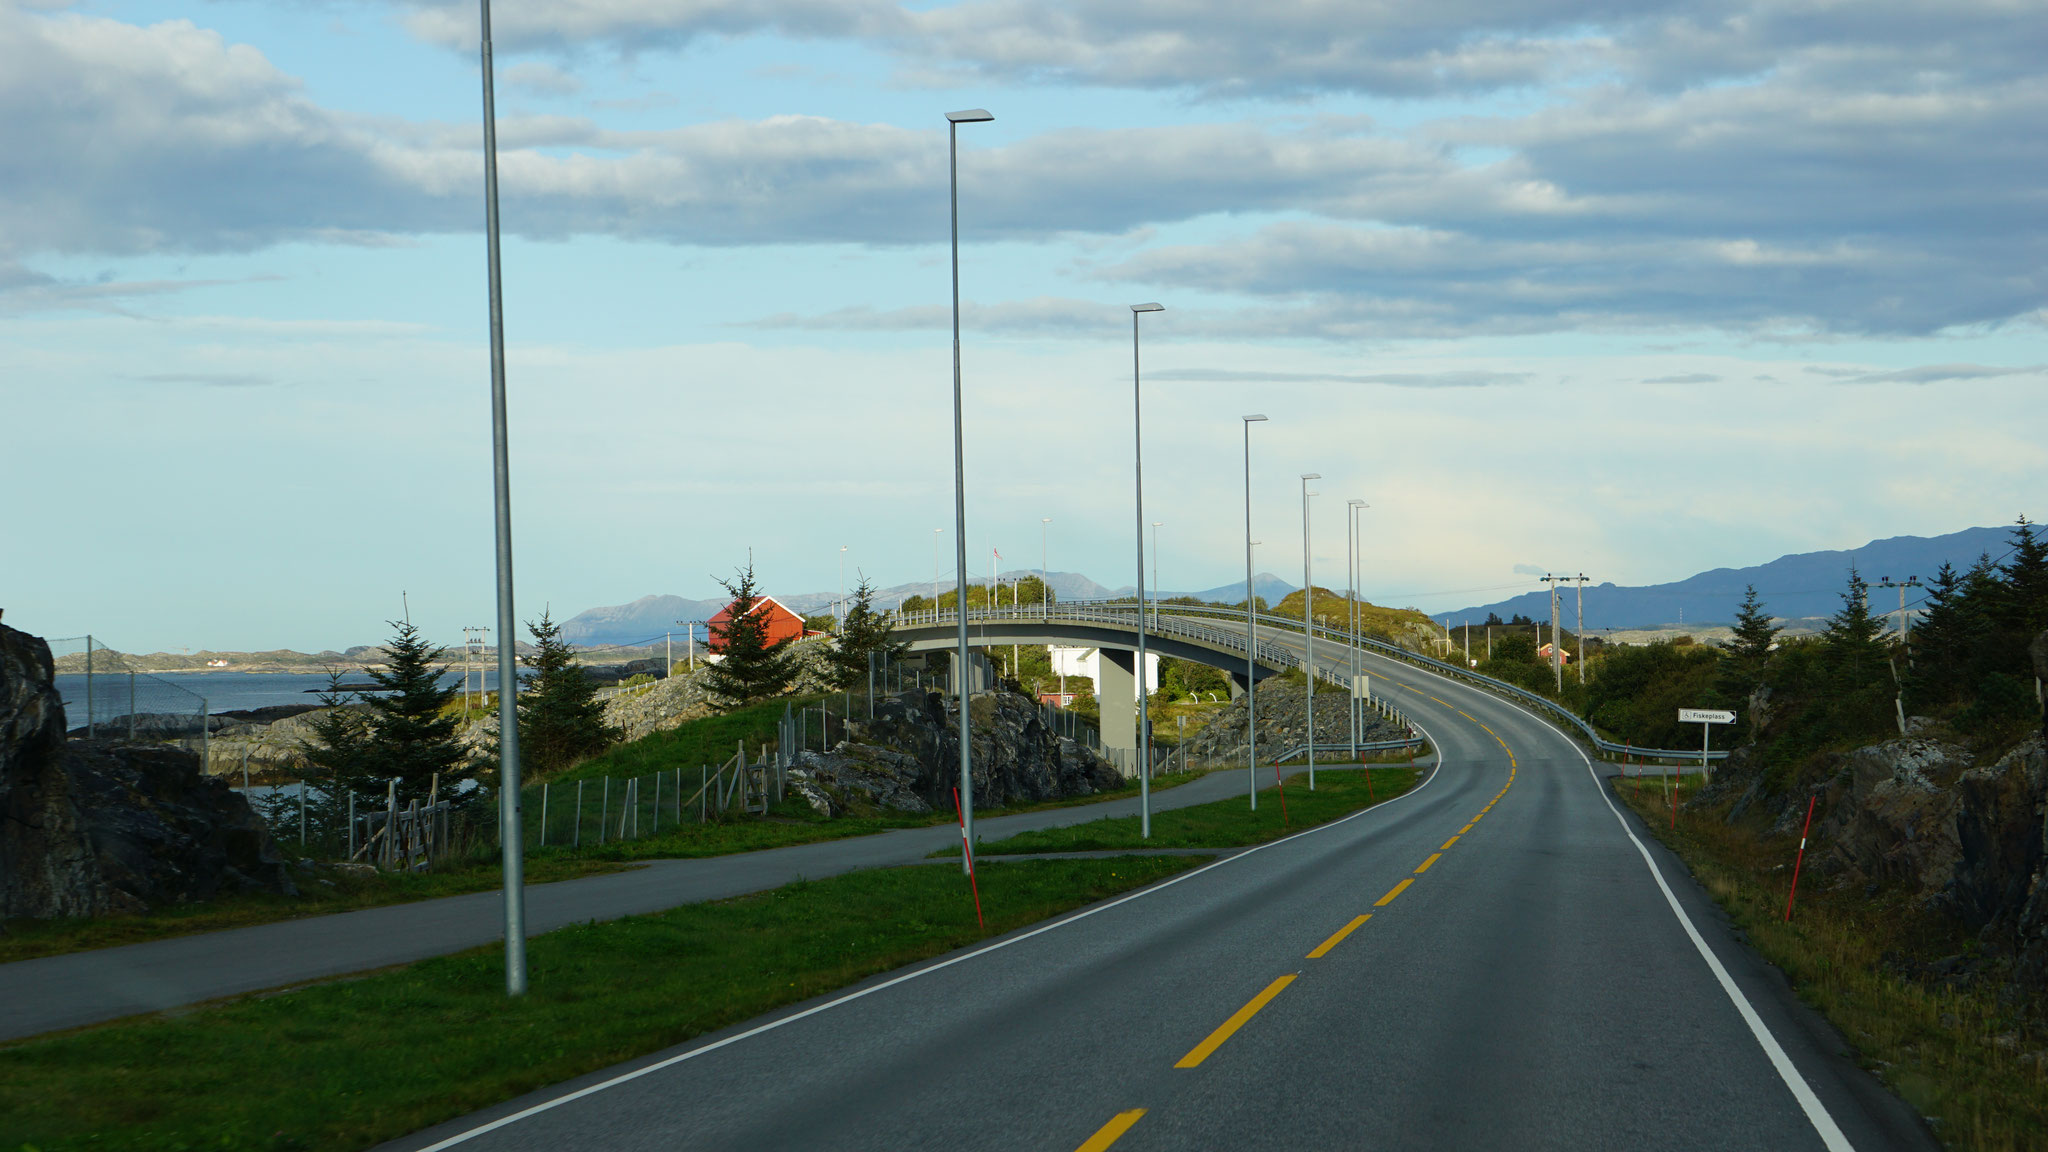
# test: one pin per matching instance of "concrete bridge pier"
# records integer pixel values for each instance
(1116, 694)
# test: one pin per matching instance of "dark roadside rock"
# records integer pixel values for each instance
(1283, 707)
(88, 828)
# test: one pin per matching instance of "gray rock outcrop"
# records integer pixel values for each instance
(93, 827)
(908, 758)
(1283, 724)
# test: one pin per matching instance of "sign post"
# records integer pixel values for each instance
(1706, 718)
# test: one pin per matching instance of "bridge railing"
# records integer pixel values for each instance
(1161, 620)
(1110, 613)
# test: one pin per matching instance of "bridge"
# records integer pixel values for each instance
(1215, 636)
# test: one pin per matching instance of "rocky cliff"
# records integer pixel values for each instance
(89, 828)
(908, 758)
(1966, 840)
(1283, 724)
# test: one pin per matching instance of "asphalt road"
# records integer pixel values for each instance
(58, 992)
(1534, 974)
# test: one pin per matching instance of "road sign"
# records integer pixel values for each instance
(1361, 687)
(1704, 716)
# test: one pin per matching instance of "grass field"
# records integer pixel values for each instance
(1222, 823)
(1955, 1054)
(344, 1065)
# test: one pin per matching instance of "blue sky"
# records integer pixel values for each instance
(1634, 290)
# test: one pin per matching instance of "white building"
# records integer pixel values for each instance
(1088, 661)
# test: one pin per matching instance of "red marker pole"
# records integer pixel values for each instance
(1282, 786)
(1674, 798)
(968, 850)
(1804, 829)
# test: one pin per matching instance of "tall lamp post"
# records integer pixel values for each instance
(842, 589)
(1251, 627)
(510, 832)
(1352, 534)
(1138, 471)
(961, 677)
(1308, 624)
(936, 532)
(1044, 580)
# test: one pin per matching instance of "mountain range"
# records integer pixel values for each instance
(1801, 587)
(1804, 586)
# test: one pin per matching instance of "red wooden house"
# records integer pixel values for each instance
(782, 624)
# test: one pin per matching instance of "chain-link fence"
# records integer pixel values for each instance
(105, 698)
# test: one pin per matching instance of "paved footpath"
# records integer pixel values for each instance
(57, 992)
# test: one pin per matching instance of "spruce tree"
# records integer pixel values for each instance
(412, 733)
(341, 735)
(864, 635)
(749, 669)
(1746, 658)
(560, 719)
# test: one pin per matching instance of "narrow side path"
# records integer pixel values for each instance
(57, 992)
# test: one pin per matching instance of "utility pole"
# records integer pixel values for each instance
(1308, 623)
(473, 636)
(1901, 585)
(1556, 648)
(1580, 580)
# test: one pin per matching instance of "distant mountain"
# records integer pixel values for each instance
(646, 618)
(1795, 587)
(651, 616)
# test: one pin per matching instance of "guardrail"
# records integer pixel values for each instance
(1346, 749)
(1173, 620)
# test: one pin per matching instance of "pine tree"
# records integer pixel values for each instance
(2025, 609)
(1747, 657)
(749, 669)
(341, 735)
(560, 719)
(412, 734)
(863, 636)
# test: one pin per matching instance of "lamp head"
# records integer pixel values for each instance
(1148, 307)
(971, 116)
(1255, 419)
(1311, 475)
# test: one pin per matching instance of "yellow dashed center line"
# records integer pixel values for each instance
(1468, 716)
(1451, 841)
(1108, 1133)
(1229, 1027)
(1462, 831)
(1383, 901)
(1445, 705)
(1323, 949)
(1433, 858)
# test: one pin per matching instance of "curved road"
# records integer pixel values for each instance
(1494, 961)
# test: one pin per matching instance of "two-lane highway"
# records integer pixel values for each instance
(1492, 961)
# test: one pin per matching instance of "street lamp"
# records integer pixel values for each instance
(842, 589)
(936, 532)
(961, 678)
(511, 836)
(1044, 580)
(1352, 536)
(1251, 626)
(1308, 622)
(1138, 470)
(1155, 572)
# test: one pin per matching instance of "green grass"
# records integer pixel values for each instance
(1222, 823)
(341, 892)
(345, 1065)
(1938, 1047)
(707, 741)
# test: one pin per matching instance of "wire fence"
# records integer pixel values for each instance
(109, 700)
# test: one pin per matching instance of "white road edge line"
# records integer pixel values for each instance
(1817, 1114)
(580, 1093)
